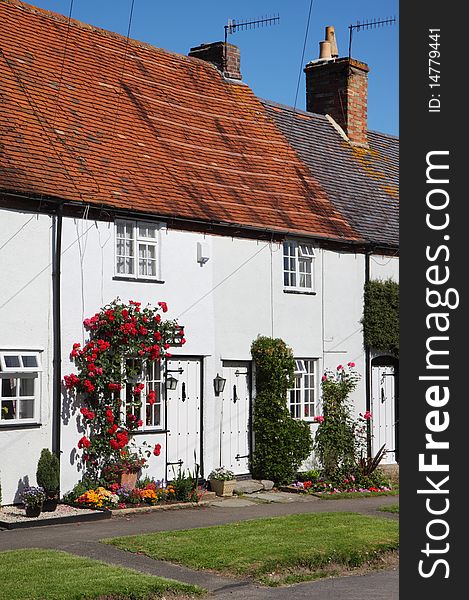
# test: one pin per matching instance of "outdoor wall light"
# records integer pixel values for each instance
(219, 384)
(171, 383)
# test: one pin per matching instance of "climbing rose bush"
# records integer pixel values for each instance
(123, 338)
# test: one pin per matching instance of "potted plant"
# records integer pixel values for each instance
(125, 470)
(32, 498)
(222, 481)
(48, 477)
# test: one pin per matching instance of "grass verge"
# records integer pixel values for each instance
(392, 508)
(38, 574)
(345, 495)
(277, 550)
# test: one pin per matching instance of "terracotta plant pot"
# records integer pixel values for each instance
(33, 511)
(129, 479)
(222, 488)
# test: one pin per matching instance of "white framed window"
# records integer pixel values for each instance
(19, 386)
(298, 266)
(148, 406)
(303, 396)
(137, 249)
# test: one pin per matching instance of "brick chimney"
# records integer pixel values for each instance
(338, 87)
(225, 57)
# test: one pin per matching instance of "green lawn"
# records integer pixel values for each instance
(392, 508)
(342, 495)
(275, 550)
(38, 574)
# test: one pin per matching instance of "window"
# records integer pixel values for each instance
(298, 271)
(19, 386)
(149, 408)
(302, 397)
(136, 249)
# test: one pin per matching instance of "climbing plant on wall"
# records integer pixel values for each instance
(381, 316)
(281, 443)
(122, 339)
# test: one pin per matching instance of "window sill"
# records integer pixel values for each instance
(149, 431)
(6, 424)
(136, 279)
(302, 292)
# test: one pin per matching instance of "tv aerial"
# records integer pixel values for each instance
(368, 24)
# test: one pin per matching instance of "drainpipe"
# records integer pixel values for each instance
(57, 345)
(368, 361)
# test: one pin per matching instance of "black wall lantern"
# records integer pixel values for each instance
(218, 384)
(171, 382)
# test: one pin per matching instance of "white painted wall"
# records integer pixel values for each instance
(25, 323)
(384, 267)
(224, 305)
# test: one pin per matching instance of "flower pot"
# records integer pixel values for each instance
(221, 487)
(33, 511)
(50, 504)
(128, 479)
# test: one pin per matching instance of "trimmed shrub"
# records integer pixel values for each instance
(48, 472)
(281, 443)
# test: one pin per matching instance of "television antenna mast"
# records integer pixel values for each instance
(234, 26)
(368, 24)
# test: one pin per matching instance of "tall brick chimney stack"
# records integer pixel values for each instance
(338, 87)
(226, 57)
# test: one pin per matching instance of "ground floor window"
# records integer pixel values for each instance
(144, 394)
(302, 397)
(19, 386)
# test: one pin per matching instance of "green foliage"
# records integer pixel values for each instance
(335, 443)
(185, 486)
(381, 316)
(281, 443)
(48, 472)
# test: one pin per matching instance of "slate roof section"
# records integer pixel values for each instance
(363, 184)
(132, 126)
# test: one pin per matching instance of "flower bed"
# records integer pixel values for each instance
(115, 496)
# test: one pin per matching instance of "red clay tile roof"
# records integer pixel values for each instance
(132, 126)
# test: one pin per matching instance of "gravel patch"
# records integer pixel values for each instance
(16, 514)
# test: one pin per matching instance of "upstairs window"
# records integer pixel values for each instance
(302, 397)
(298, 266)
(19, 386)
(136, 249)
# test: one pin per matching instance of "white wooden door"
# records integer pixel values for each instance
(235, 417)
(183, 415)
(383, 411)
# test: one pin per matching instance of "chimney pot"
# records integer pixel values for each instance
(330, 37)
(325, 50)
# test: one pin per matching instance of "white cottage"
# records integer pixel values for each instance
(132, 172)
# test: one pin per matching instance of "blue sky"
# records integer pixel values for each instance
(270, 56)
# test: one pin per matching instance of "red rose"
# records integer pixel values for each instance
(151, 397)
(83, 442)
(157, 450)
(163, 305)
(114, 444)
(112, 430)
(71, 381)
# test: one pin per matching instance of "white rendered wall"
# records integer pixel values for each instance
(224, 305)
(384, 267)
(25, 323)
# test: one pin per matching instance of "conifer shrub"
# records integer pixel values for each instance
(281, 443)
(48, 472)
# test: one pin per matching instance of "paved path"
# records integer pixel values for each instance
(83, 539)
